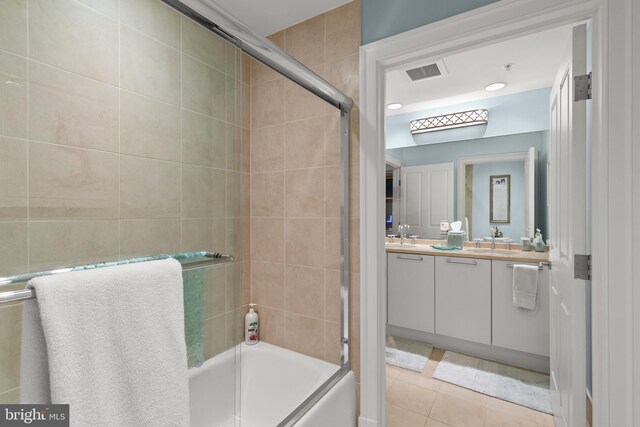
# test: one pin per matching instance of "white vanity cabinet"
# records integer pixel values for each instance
(410, 291)
(463, 298)
(517, 328)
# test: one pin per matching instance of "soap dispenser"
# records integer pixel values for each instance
(251, 335)
(538, 242)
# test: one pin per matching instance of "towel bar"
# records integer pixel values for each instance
(540, 266)
(189, 261)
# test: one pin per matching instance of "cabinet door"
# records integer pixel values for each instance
(463, 298)
(410, 291)
(517, 328)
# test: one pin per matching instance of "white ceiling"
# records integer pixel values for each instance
(534, 60)
(269, 16)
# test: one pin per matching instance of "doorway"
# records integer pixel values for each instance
(390, 62)
(434, 131)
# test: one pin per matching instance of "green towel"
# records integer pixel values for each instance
(195, 288)
(441, 247)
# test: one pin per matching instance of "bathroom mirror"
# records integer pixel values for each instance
(498, 191)
(429, 184)
(392, 194)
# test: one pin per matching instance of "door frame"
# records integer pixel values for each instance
(616, 57)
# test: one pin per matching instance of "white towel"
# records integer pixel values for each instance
(110, 343)
(525, 286)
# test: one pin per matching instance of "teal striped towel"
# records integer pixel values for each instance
(441, 247)
(195, 288)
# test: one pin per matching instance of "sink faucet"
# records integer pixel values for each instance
(402, 230)
(493, 239)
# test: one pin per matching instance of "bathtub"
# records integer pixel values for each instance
(272, 382)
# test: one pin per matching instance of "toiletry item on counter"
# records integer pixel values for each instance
(251, 328)
(444, 229)
(456, 239)
(525, 243)
(538, 242)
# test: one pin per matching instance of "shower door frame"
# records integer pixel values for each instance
(216, 20)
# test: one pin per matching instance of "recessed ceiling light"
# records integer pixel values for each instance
(495, 86)
(394, 106)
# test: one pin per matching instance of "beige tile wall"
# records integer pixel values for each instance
(121, 134)
(295, 190)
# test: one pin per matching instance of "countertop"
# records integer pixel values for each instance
(423, 247)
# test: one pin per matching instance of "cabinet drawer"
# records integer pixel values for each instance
(410, 291)
(463, 298)
(517, 328)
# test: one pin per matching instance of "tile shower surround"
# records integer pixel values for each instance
(295, 190)
(121, 134)
(167, 169)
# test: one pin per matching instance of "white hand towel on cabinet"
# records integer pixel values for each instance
(110, 343)
(525, 286)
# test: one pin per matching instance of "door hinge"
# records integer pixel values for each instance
(582, 267)
(582, 87)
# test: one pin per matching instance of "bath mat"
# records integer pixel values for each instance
(515, 385)
(407, 354)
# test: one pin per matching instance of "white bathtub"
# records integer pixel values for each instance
(273, 381)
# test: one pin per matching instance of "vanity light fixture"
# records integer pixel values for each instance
(449, 121)
(394, 106)
(495, 86)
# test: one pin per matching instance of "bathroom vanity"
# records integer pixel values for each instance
(462, 300)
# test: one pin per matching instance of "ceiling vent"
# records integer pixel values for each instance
(428, 71)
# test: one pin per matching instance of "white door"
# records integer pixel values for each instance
(426, 198)
(567, 305)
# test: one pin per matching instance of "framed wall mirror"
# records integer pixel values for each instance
(500, 199)
(498, 190)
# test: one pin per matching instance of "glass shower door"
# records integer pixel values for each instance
(121, 136)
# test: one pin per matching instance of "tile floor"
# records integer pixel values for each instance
(417, 399)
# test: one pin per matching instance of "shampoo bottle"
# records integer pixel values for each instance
(251, 335)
